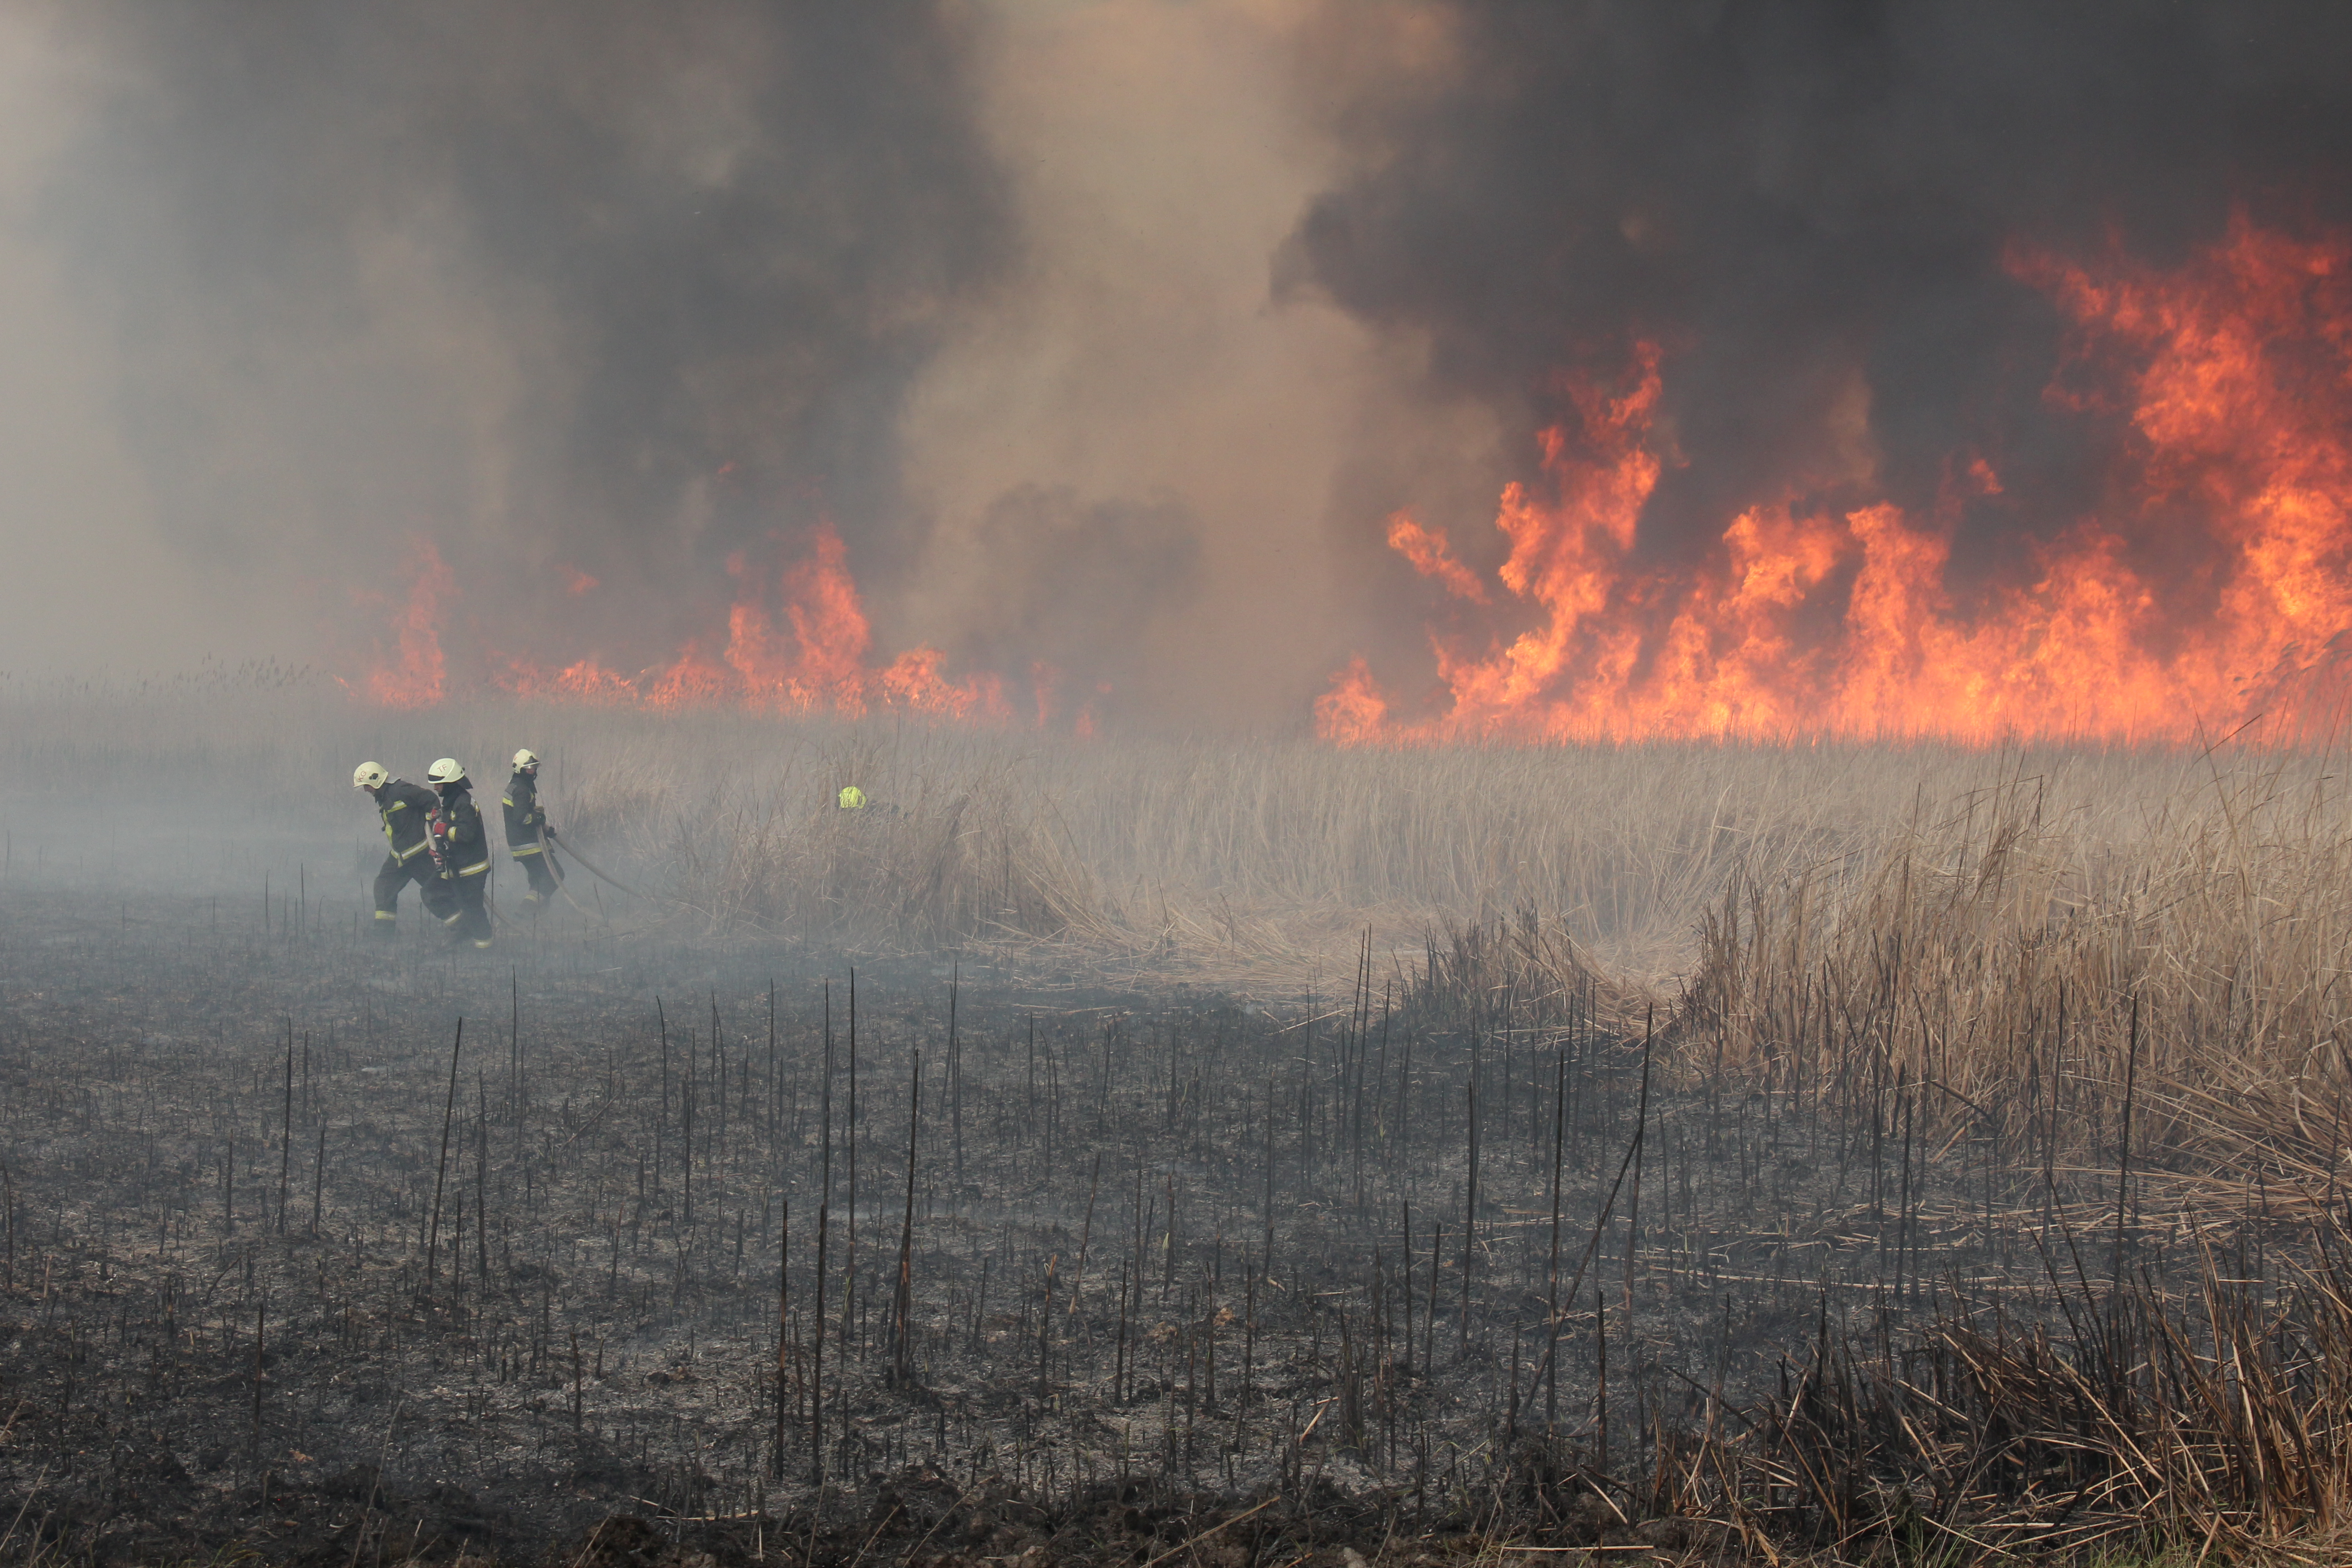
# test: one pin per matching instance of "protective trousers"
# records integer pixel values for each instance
(464, 915)
(396, 874)
(534, 863)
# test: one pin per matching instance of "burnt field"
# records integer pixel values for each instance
(1453, 1243)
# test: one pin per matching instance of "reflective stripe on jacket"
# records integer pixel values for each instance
(403, 807)
(525, 817)
(468, 845)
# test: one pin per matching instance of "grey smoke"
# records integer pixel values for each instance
(1075, 586)
(558, 283)
(1004, 292)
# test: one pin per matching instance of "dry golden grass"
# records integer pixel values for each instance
(1985, 923)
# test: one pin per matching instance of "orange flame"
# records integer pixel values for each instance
(414, 674)
(2237, 370)
(586, 681)
(1433, 557)
(1353, 711)
(814, 662)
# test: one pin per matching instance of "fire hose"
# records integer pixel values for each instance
(556, 868)
(587, 865)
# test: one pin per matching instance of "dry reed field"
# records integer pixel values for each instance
(1270, 1151)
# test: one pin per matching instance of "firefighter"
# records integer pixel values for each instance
(527, 829)
(462, 847)
(404, 808)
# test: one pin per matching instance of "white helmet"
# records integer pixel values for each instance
(370, 775)
(526, 758)
(448, 771)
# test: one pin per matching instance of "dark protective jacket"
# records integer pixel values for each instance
(403, 807)
(525, 815)
(469, 843)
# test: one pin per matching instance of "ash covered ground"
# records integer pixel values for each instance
(275, 1277)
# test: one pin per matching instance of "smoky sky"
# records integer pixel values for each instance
(1107, 333)
(559, 284)
(1796, 199)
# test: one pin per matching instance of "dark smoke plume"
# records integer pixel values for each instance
(1806, 206)
(1071, 587)
(566, 286)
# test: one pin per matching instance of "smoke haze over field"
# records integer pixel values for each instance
(578, 294)
(1709, 553)
(1107, 336)
(554, 285)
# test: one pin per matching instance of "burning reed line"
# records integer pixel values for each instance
(2204, 592)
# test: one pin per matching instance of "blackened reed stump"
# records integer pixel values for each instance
(449, 1113)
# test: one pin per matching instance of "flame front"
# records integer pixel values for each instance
(412, 674)
(815, 662)
(2210, 589)
(2212, 586)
